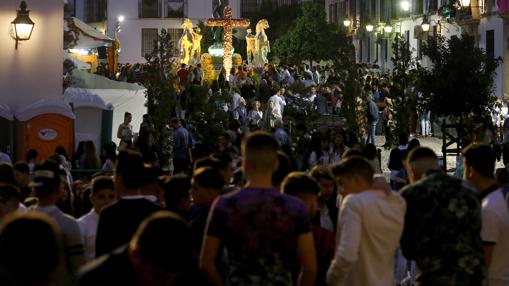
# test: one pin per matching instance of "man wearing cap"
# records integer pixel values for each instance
(48, 190)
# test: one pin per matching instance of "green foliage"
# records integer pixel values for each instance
(353, 104)
(208, 36)
(307, 39)
(460, 83)
(402, 98)
(281, 19)
(159, 85)
(207, 120)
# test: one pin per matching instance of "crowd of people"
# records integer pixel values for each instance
(255, 211)
(264, 224)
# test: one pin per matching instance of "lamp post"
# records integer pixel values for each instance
(347, 23)
(22, 25)
(405, 5)
(425, 24)
(369, 28)
(388, 29)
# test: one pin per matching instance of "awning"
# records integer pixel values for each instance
(79, 64)
(86, 36)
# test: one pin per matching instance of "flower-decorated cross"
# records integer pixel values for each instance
(228, 22)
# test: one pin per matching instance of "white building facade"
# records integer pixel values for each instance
(143, 19)
(484, 19)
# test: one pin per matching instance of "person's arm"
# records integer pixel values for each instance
(74, 249)
(307, 256)
(119, 132)
(208, 256)
(103, 237)
(347, 251)
(211, 244)
(410, 236)
(488, 253)
(489, 233)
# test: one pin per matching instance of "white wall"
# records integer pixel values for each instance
(34, 70)
(496, 24)
(130, 36)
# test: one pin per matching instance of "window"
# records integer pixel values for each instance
(407, 39)
(490, 43)
(148, 40)
(360, 50)
(386, 49)
(149, 9)
(419, 49)
(175, 9)
(174, 37)
(369, 49)
(431, 5)
(95, 10)
(248, 8)
(418, 4)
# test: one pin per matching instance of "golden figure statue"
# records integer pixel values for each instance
(186, 42)
(196, 50)
(250, 46)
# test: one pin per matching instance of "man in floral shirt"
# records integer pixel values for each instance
(442, 224)
(263, 232)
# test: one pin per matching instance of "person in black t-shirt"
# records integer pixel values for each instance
(119, 221)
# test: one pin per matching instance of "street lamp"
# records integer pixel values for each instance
(22, 25)
(405, 5)
(347, 23)
(388, 29)
(120, 18)
(369, 27)
(425, 24)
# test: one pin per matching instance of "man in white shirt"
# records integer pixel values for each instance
(311, 95)
(102, 195)
(279, 100)
(370, 225)
(495, 236)
(286, 77)
(47, 186)
(316, 76)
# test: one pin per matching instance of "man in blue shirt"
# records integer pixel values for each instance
(180, 147)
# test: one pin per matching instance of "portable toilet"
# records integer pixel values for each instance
(92, 114)
(43, 126)
(6, 130)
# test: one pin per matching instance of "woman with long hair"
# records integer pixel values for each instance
(89, 159)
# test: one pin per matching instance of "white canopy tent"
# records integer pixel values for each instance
(97, 92)
(86, 36)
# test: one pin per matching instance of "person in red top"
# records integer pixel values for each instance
(183, 74)
(307, 189)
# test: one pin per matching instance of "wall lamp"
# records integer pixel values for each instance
(22, 25)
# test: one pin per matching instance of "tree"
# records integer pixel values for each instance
(402, 97)
(160, 91)
(307, 38)
(460, 83)
(280, 18)
(208, 36)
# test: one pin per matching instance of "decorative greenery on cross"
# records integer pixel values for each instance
(228, 22)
